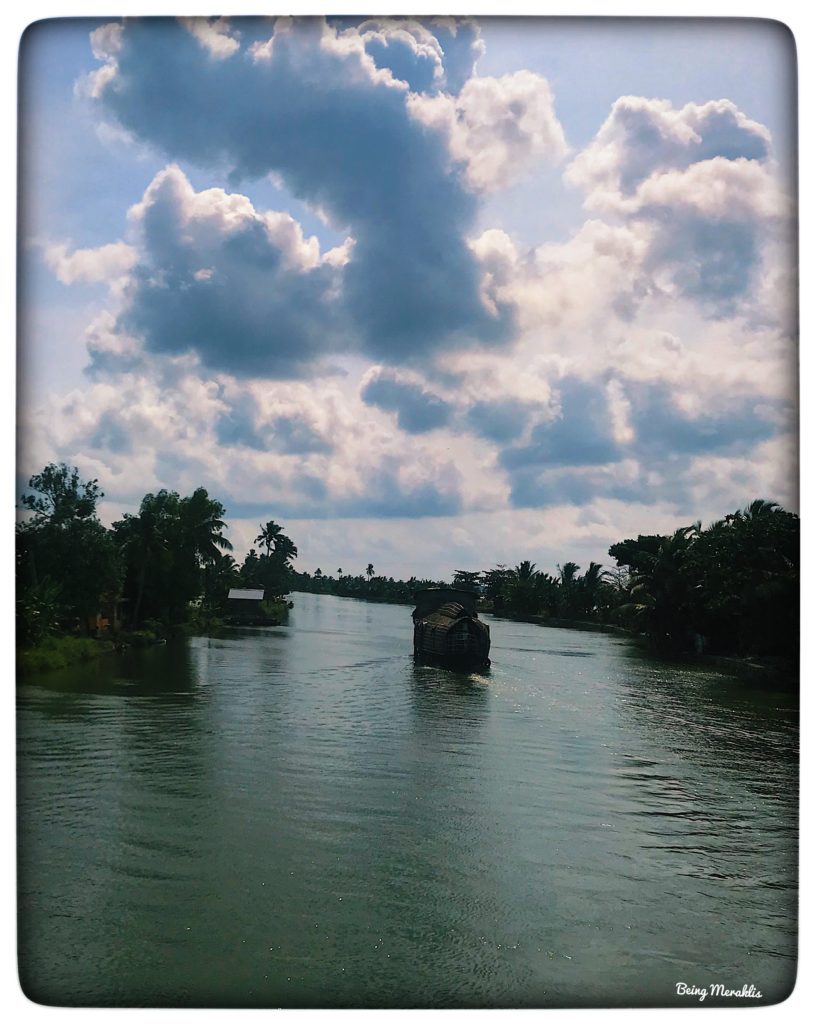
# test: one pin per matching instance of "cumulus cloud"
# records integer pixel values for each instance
(462, 46)
(579, 433)
(303, 449)
(646, 349)
(90, 266)
(549, 285)
(213, 34)
(417, 408)
(427, 55)
(308, 103)
(625, 439)
(244, 290)
(243, 424)
(408, 49)
(700, 180)
(642, 137)
(498, 420)
(497, 128)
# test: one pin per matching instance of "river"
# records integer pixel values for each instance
(300, 816)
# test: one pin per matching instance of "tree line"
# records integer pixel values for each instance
(160, 567)
(365, 586)
(731, 588)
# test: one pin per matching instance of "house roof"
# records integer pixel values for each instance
(245, 595)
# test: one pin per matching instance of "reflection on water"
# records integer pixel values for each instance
(301, 816)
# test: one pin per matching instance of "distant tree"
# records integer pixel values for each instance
(466, 580)
(221, 575)
(495, 583)
(268, 535)
(370, 570)
(521, 590)
(272, 570)
(589, 586)
(250, 570)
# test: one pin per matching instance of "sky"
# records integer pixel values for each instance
(433, 294)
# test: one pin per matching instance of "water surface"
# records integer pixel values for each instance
(300, 816)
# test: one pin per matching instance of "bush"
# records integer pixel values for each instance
(59, 652)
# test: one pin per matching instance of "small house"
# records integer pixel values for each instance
(245, 603)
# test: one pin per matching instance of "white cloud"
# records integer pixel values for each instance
(213, 35)
(719, 189)
(642, 137)
(90, 266)
(498, 128)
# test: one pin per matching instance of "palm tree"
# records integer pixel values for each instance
(284, 550)
(523, 588)
(268, 535)
(661, 592)
(203, 526)
(142, 540)
(221, 576)
(590, 583)
(370, 570)
(758, 509)
(525, 571)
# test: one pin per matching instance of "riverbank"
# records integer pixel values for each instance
(61, 652)
(768, 671)
(271, 613)
(581, 624)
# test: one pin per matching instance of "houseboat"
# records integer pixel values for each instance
(447, 629)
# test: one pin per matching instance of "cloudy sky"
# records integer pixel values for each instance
(434, 295)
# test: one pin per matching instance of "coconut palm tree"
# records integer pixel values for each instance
(661, 593)
(203, 526)
(268, 535)
(143, 539)
(284, 550)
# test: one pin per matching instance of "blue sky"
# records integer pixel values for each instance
(435, 295)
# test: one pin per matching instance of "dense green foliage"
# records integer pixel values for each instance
(731, 588)
(168, 549)
(67, 564)
(154, 572)
(365, 586)
(527, 592)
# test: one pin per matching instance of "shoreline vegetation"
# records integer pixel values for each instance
(725, 595)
